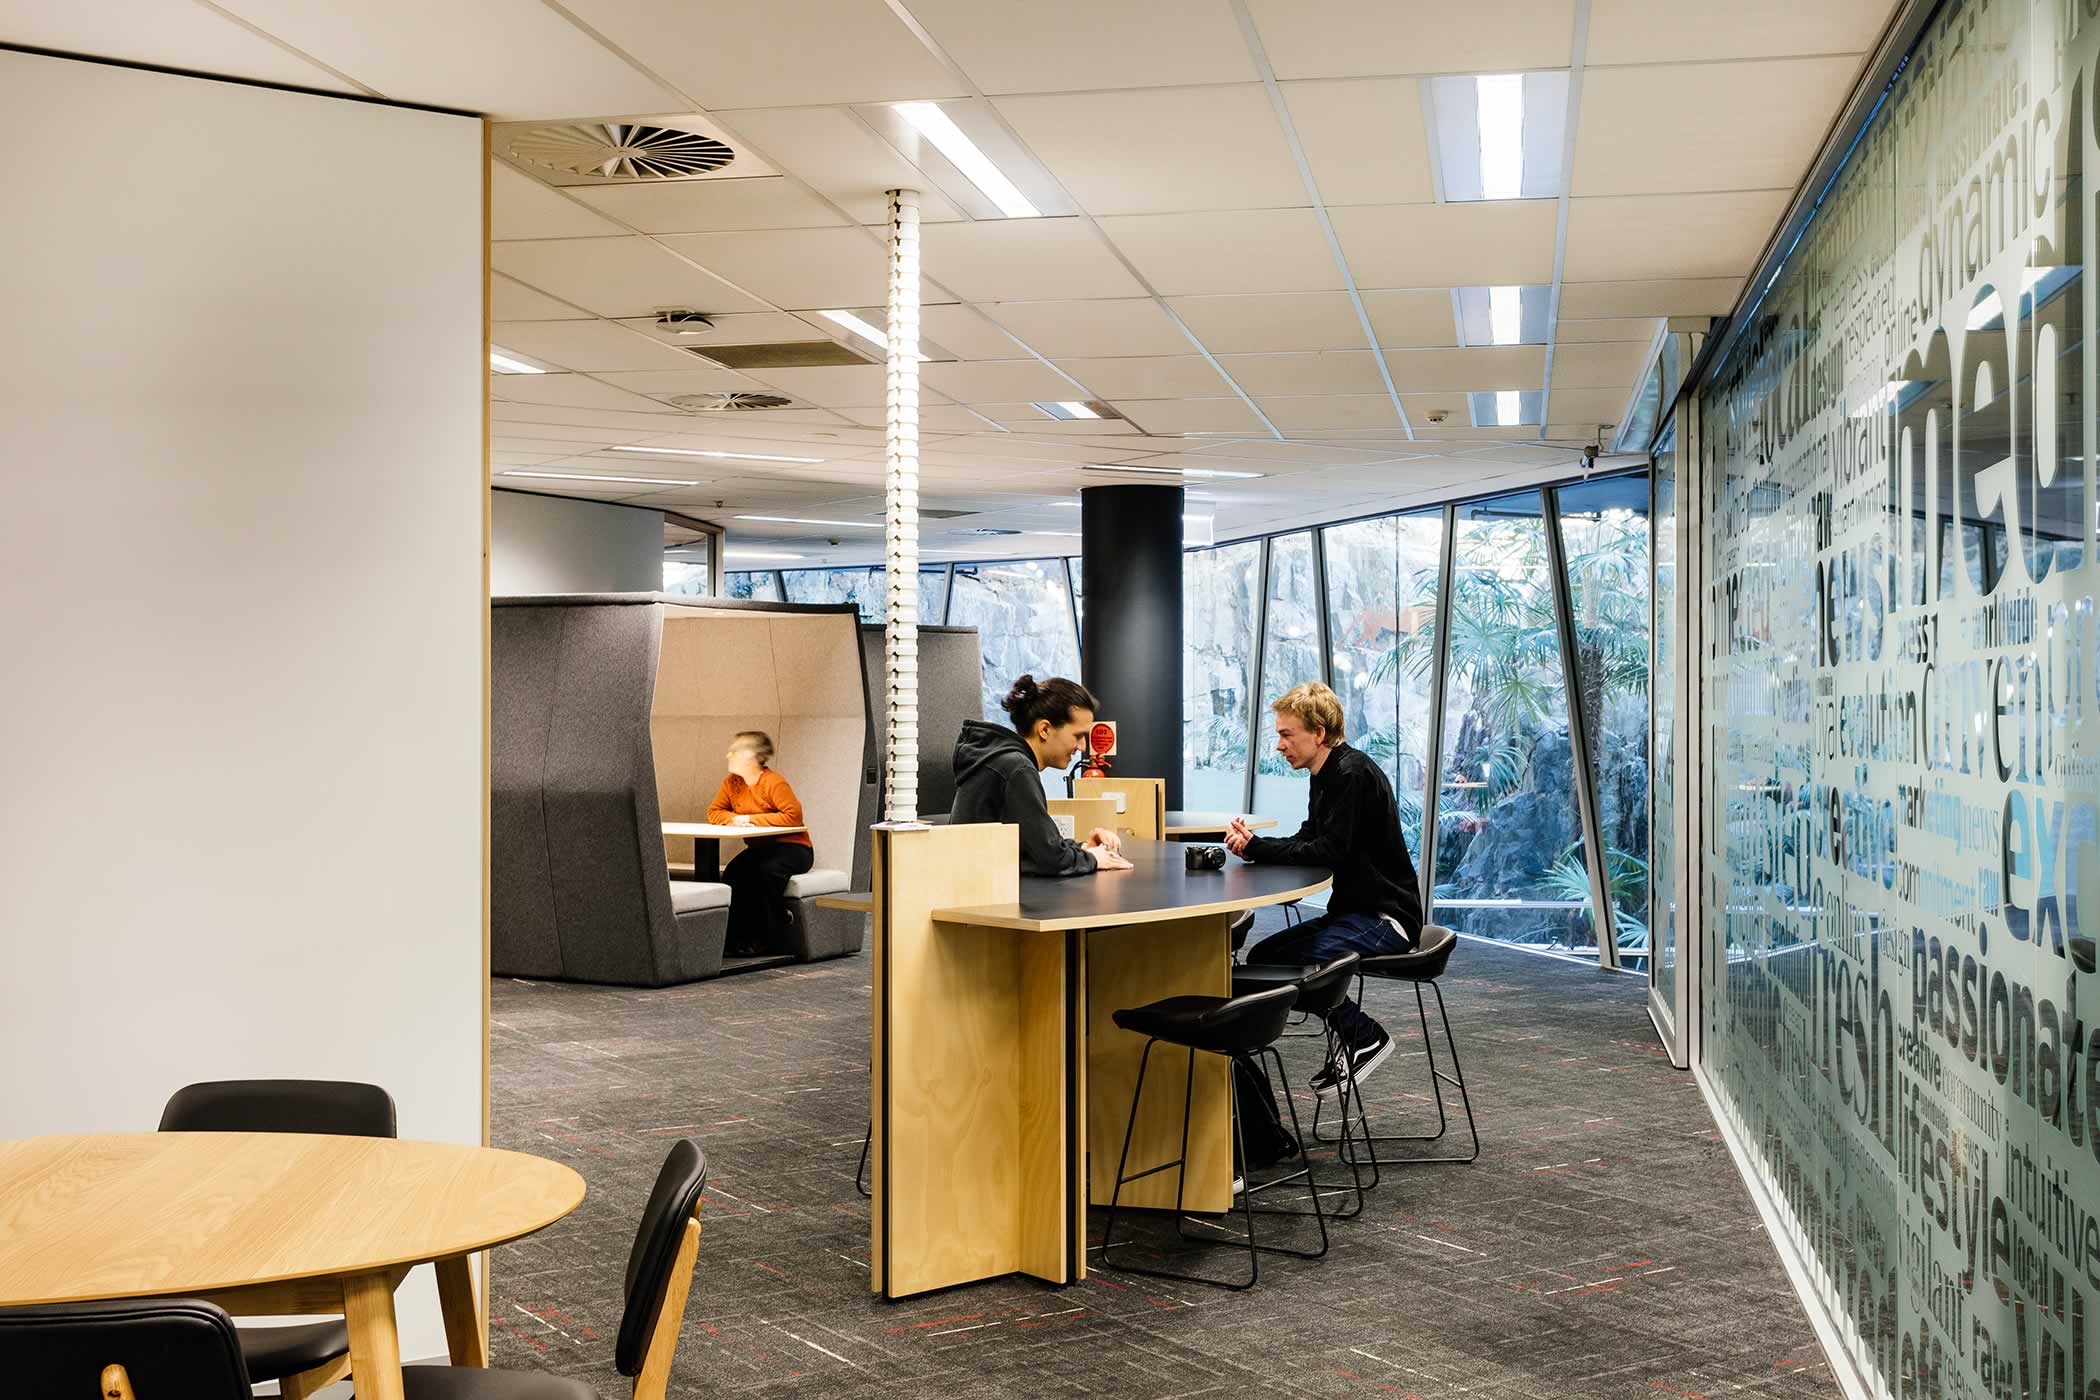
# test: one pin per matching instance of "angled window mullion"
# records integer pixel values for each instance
(1602, 914)
(1261, 661)
(1319, 560)
(1433, 777)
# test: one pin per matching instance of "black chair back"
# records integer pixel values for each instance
(335, 1106)
(171, 1348)
(1433, 950)
(671, 1203)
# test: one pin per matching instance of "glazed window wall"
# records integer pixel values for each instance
(1445, 635)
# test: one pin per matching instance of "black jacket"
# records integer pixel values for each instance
(1353, 828)
(996, 780)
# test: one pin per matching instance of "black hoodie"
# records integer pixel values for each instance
(996, 780)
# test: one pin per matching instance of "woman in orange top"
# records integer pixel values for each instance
(754, 795)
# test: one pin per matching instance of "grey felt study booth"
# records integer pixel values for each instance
(951, 690)
(611, 714)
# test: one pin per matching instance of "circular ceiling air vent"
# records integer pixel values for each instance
(739, 402)
(620, 151)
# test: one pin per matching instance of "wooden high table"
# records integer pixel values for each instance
(269, 1223)
(1001, 1084)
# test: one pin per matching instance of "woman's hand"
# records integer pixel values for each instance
(742, 819)
(1108, 840)
(1105, 859)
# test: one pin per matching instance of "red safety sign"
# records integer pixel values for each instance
(1101, 739)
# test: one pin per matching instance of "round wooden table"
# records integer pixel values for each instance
(266, 1223)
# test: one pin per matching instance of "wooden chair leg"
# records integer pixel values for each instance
(116, 1384)
(663, 1338)
(309, 1383)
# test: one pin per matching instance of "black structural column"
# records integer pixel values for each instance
(1130, 634)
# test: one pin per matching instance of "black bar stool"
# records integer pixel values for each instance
(1422, 967)
(1320, 990)
(1228, 1026)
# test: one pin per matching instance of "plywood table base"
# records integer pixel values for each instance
(375, 1346)
(1001, 1085)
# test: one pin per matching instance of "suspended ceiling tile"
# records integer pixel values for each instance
(506, 61)
(1412, 319)
(1148, 377)
(933, 418)
(1086, 44)
(571, 389)
(1364, 139)
(837, 386)
(1162, 150)
(1517, 455)
(1023, 260)
(1476, 244)
(1300, 413)
(187, 37)
(795, 269)
(1134, 326)
(775, 53)
(1274, 322)
(999, 381)
(1262, 250)
(1684, 235)
(522, 207)
(616, 276)
(692, 378)
(514, 301)
(1670, 31)
(585, 420)
(1648, 298)
(1588, 405)
(1362, 38)
(713, 206)
(1309, 372)
(964, 331)
(586, 345)
(1571, 331)
(1488, 367)
(1731, 126)
(839, 157)
(1164, 416)
(1613, 365)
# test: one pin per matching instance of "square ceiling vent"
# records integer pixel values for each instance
(624, 151)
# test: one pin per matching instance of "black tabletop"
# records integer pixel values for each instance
(1160, 887)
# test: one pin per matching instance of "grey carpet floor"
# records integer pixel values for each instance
(1603, 1244)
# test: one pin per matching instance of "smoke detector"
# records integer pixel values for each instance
(625, 151)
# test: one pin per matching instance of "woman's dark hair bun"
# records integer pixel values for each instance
(1016, 699)
(1053, 700)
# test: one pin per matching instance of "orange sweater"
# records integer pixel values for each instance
(768, 802)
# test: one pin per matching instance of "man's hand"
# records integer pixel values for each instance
(1106, 839)
(1236, 838)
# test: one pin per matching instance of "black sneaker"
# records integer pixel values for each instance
(1353, 1062)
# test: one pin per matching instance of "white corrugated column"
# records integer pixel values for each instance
(900, 518)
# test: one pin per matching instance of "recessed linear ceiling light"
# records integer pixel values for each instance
(1505, 408)
(728, 554)
(937, 126)
(719, 456)
(629, 480)
(800, 520)
(503, 362)
(1172, 471)
(865, 330)
(1500, 135)
(1502, 315)
(1069, 410)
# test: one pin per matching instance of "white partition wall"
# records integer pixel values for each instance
(242, 731)
(552, 544)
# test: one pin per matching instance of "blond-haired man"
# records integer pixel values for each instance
(1352, 827)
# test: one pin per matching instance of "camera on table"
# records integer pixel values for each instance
(1205, 857)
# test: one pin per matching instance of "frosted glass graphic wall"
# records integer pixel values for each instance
(1900, 701)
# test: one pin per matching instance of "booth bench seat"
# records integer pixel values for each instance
(815, 933)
